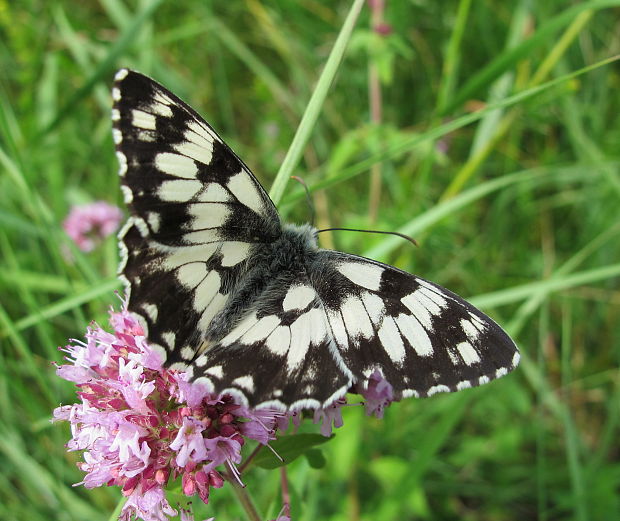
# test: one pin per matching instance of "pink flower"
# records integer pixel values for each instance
(88, 224)
(189, 443)
(378, 395)
(149, 505)
(383, 28)
(141, 425)
(332, 413)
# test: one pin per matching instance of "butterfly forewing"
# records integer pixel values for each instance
(196, 212)
(254, 308)
(423, 338)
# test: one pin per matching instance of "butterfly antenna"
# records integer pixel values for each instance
(401, 235)
(308, 198)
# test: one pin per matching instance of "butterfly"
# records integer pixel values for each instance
(251, 306)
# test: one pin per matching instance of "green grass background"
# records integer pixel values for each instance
(516, 207)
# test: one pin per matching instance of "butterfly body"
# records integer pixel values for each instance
(269, 267)
(250, 306)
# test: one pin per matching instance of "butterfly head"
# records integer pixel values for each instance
(304, 235)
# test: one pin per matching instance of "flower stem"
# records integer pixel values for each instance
(242, 495)
(286, 496)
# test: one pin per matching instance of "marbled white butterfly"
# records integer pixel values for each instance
(250, 305)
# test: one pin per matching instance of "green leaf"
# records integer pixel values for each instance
(316, 458)
(288, 448)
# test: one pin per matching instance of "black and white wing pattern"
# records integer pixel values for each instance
(196, 213)
(252, 307)
(320, 331)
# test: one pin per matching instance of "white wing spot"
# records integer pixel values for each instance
(212, 216)
(216, 371)
(374, 306)
(116, 115)
(178, 191)
(122, 163)
(127, 194)
(356, 318)
(338, 329)
(477, 321)
(206, 291)
(465, 384)
(169, 337)
(214, 193)
(142, 119)
(364, 274)
(151, 311)
(245, 382)
(261, 329)
(308, 329)
(208, 236)
(187, 353)
(415, 334)
(298, 297)
(240, 329)
(516, 359)
(200, 131)
(418, 310)
(201, 361)
(154, 220)
(117, 136)
(217, 304)
(190, 275)
(246, 191)
(182, 366)
(501, 372)
(161, 109)
(454, 358)
(176, 165)
(431, 294)
(178, 256)
(196, 151)
(148, 136)
(468, 353)
(437, 389)
(470, 329)
(483, 380)
(279, 341)
(160, 97)
(142, 227)
(234, 252)
(121, 74)
(391, 340)
(116, 94)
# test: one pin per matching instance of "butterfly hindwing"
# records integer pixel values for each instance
(281, 353)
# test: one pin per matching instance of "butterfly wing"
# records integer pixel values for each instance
(423, 338)
(196, 212)
(316, 334)
(281, 354)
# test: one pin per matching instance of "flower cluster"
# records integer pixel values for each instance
(142, 426)
(88, 224)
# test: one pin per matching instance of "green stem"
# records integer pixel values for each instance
(315, 104)
(242, 495)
